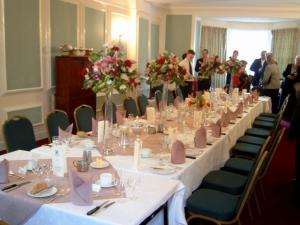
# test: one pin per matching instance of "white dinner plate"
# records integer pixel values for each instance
(43, 194)
(103, 165)
(163, 170)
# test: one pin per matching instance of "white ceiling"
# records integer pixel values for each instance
(271, 3)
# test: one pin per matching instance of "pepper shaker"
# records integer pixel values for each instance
(89, 157)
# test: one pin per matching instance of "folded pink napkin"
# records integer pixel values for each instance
(177, 152)
(200, 138)
(255, 95)
(246, 102)
(81, 189)
(4, 167)
(250, 99)
(216, 129)
(65, 133)
(240, 108)
(225, 119)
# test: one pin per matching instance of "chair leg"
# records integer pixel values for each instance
(250, 211)
(257, 203)
(239, 222)
(262, 190)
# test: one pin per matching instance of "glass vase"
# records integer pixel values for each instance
(108, 118)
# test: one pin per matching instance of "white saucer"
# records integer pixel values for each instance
(163, 170)
(112, 184)
(103, 165)
(43, 194)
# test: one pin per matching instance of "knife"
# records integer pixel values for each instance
(92, 211)
(14, 186)
(108, 205)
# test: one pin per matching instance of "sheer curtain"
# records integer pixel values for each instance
(285, 46)
(214, 39)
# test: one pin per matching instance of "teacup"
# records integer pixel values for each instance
(146, 152)
(81, 165)
(106, 179)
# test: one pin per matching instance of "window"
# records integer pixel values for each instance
(249, 43)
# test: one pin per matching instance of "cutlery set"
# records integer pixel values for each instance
(100, 207)
(12, 187)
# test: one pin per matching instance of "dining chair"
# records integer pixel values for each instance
(83, 115)
(18, 134)
(131, 107)
(142, 103)
(158, 97)
(55, 119)
(219, 207)
(111, 112)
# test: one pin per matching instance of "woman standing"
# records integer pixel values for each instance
(271, 81)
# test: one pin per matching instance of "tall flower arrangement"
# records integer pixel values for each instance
(109, 71)
(212, 66)
(232, 66)
(166, 68)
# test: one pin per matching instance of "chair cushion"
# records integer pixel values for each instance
(212, 203)
(264, 125)
(252, 140)
(265, 118)
(225, 181)
(246, 149)
(258, 132)
(269, 115)
(238, 165)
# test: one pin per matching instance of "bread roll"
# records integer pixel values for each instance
(38, 187)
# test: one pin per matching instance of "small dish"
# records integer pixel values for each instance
(43, 194)
(104, 164)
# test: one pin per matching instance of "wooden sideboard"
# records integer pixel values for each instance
(69, 79)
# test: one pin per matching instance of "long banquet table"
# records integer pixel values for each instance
(156, 189)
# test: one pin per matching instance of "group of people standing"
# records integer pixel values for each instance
(267, 77)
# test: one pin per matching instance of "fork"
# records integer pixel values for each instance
(63, 192)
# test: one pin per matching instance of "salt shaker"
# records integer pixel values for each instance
(85, 156)
(89, 157)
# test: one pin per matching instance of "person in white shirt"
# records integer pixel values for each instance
(187, 65)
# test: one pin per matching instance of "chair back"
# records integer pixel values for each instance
(158, 97)
(18, 134)
(171, 98)
(142, 103)
(83, 115)
(250, 184)
(131, 107)
(54, 120)
(111, 112)
(284, 105)
(272, 152)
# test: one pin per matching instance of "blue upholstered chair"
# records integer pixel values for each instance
(83, 115)
(142, 103)
(131, 107)
(54, 120)
(18, 134)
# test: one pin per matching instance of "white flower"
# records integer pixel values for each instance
(124, 76)
(170, 66)
(123, 69)
(86, 77)
(123, 87)
(130, 70)
(96, 69)
(109, 82)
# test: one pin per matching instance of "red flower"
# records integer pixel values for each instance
(128, 63)
(161, 61)
(115, 48)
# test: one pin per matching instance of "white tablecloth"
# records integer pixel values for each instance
(152, 192)
(190, 175)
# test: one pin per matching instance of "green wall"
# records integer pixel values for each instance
(22, 44)
(63, 28)
(34, 114)
(154, 41)
(94, 28)
(178, 33)
(143, 49)
(198, 39)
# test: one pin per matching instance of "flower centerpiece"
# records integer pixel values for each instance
(199, 102)
(110, 71)
(232, 66)
(166, 68)
(212, 66)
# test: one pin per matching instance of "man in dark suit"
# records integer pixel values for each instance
(258, 67)
(203, 83)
